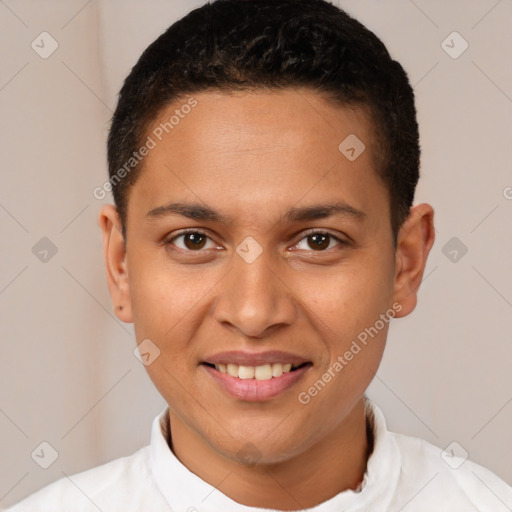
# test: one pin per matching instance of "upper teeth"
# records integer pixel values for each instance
(263, 372)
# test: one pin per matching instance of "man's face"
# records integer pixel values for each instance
(265, 266)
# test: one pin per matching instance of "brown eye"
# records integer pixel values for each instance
(319, 241)
(194, 241)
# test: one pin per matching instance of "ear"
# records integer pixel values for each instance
(114, 251)
(414, 241)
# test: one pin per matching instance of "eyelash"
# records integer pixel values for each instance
(305, 236)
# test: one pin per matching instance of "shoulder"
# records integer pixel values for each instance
(122, 484)
(431, 475)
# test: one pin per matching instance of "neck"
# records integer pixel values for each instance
(334, 464)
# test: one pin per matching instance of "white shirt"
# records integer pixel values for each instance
(404, 474)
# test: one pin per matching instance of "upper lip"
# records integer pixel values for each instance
(244, 358)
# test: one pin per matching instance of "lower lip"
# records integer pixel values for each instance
(252, 390)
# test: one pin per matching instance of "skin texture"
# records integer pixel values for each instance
(252, 156)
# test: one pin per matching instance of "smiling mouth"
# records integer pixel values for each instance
(263, 372)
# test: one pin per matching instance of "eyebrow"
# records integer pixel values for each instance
(323, 211)
(191, 211)
(205, 213)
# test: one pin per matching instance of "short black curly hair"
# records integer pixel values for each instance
(229, 45)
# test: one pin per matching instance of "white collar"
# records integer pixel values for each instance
(183, 490)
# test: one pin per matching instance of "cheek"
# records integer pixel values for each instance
(163, 295)
(348, 300)
(346, 309)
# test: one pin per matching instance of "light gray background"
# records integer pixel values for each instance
(69, 376)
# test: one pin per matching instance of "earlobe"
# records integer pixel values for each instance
(114, 252)
(414, 242)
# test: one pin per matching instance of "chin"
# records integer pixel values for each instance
(266, 446)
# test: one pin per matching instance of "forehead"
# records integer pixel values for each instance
(259, 147)
(292, 118)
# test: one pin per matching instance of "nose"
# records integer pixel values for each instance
(254, 299)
